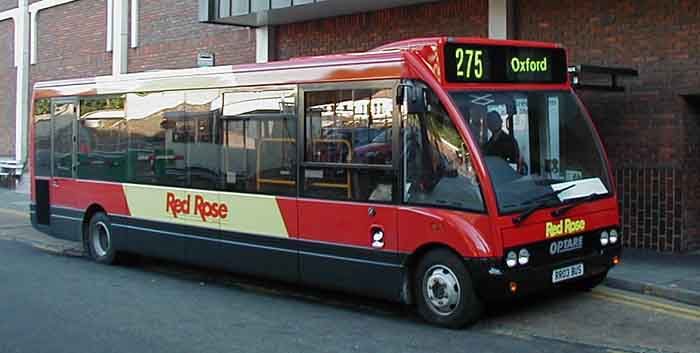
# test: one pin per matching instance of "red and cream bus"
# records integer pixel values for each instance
(443, 172)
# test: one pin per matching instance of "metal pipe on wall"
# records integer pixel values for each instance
(134, 23)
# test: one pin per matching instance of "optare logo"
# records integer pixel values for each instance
(566, 245)
(564, 227)
(202, 208)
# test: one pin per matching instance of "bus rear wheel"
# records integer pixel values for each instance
(98, 241)
(444, 291)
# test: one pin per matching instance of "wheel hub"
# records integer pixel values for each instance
(101, 239)
(442, 290)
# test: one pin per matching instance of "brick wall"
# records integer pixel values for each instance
(365, 31)
(71, 42)
(651, 136)
(651, 202)
(170, 37)
(7, 90)
(7, 5)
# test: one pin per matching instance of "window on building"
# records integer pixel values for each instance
(438, 167)
(348, 145)
(103, 141)
(259, 137)
(42, 137)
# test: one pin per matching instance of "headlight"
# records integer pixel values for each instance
(604, 238)
(613, 236)
(523, 257)
(511, 259)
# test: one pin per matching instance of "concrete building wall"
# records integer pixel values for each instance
(650, 131)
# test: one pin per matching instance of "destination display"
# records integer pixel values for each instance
(468, 63)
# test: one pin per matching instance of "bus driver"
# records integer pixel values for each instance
(501, 144)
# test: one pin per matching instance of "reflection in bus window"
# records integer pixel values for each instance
(260, 141)
(154, 158)
(63, 119)
(42, 137)
(102, 139)
(349, 127)
(202, 119)
(439, 170)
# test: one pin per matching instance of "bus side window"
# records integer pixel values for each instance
(202, 111)
(438, 172)
(155, 155)
(42, 137)
(348, 150)
(102, 139)
(259, 137)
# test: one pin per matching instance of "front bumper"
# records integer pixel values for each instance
(492, 280)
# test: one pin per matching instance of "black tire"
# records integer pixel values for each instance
(446, 270)
(98, 242)
(589, 283)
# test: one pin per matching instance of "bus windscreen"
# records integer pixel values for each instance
(469, 63)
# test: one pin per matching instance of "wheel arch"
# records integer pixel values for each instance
(412, 260)
(89, 212)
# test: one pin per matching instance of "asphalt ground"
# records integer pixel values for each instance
(54, 300)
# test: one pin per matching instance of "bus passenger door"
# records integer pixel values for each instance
(348, 185)
(65, 219)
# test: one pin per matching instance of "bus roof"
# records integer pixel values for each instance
(341, 67)
(384, 62)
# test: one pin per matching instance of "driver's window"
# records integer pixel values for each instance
(437, 165)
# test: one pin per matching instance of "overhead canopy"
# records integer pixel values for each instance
(257, 13)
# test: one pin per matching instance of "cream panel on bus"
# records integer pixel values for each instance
(250, 214)
(256, 214)
(173, 205)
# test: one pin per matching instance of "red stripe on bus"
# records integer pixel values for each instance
(82, 194)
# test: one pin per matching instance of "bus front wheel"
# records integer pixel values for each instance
(98, 242)
(444, 290)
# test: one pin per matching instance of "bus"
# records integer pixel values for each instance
(443, 173)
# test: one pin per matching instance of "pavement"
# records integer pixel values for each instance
(670, 276)
(673, 277)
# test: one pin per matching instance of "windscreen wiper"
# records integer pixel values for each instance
(544, 199)
(561, 211)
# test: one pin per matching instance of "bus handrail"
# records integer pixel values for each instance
(259, 181)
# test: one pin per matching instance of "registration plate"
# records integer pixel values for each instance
(569, 272)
